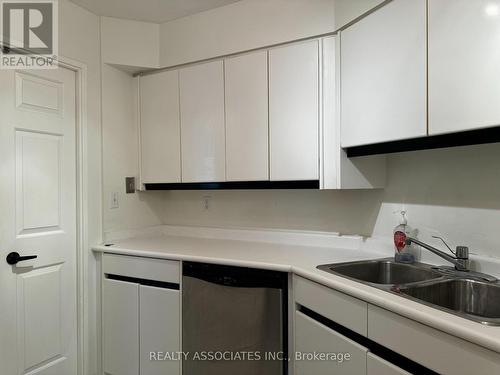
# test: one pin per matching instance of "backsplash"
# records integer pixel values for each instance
(453, 191)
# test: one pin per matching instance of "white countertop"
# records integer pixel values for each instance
(301, 260)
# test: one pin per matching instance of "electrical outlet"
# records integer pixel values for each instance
(206, 202)
(114, 200)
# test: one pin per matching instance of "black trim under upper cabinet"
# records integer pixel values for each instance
(466, 138)
(236, 185)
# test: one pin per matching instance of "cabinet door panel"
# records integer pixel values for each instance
(311, 336)
(121, 327)
(378, 366)
(202, 123)
(160, 329)
(383, 75)
(247, 117)
(464, 74)
(294, 112)
(160, 128)
(418, 342)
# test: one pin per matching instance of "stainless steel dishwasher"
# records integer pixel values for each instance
(234, 320)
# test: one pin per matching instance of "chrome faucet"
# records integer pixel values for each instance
(461, 255)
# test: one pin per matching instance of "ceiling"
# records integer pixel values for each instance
(157, 11)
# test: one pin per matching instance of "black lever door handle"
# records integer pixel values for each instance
(14, 257)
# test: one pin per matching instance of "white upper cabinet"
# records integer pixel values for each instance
(247, 128)
(464, 65)
(160, 128)
(294, 111)
(202, 122)
(383, 75)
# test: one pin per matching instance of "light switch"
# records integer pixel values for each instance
(114, 200)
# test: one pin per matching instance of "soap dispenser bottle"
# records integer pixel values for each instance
(401, 233)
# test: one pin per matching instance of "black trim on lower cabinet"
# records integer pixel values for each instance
(145, 282)
(375, 348)
(235, 185)
(466, 138)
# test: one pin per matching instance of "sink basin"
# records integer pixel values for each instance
(477, 300)
(382, 272)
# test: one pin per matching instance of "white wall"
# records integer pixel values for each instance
(242, 26)
(350, 212)
(79, 40)
(130, 43)
(453, 192)
(120, 155)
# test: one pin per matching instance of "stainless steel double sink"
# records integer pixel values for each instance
(464, 295)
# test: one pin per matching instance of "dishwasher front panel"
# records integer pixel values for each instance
(231, 328)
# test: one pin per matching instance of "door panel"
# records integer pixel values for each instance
(39, 94)
(378, 366)
(294, 112)
(247, 156)
(464, 78)
(160, 128)
(160, 329)
(38, 200)
(40, 293)
(383, 75)
(202, 123)
(121, 327)
(313, 337)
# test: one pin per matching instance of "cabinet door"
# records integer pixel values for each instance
(464, 61)
(160, 128)
(383, 75)
(247, 117)
(202, 123)
(378, 366)
(120, 327)
(159, 330)
(313, 337)
(294, 111)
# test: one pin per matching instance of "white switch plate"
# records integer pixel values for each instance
(114, 200)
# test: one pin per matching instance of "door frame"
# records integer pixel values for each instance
(82, 295)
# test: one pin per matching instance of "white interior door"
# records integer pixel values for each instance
(38, 217)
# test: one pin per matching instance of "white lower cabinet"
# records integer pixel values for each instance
(312, 337)
(120, 327)
(141, 323)
(434, 349)
(159, 329)
(378, 366)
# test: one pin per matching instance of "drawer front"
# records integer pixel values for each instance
(432, 348)
(378, 366)
(345, 310)
(313, 337)
(142, 268)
